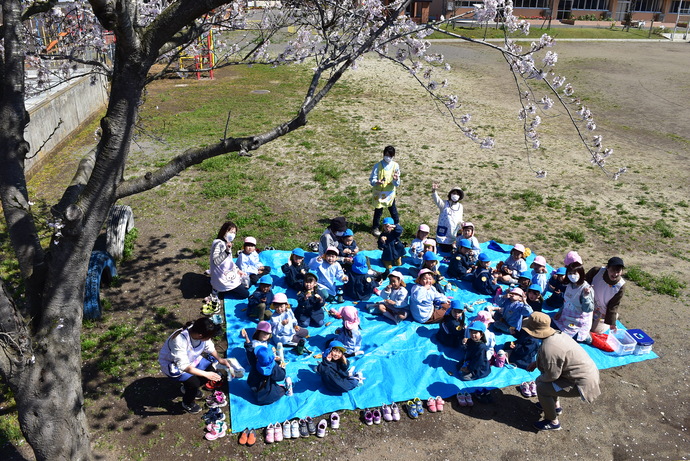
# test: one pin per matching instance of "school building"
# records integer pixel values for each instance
(666, 11)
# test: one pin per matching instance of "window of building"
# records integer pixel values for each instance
(466, 3)
(676, 5)
(646, 5)
(530, 4)
(590, 4)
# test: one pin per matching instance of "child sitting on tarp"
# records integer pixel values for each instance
(395, 302)
(284, 324)
(310, 304)
(334, 370)
(534, 298)
(461, 261)
(507, 271)
(248, 261)
(476, 363)
(467, 232)
(295, 269)
(512, 308)
(329, 273)
(417, 245)
(484, 317)
(523, 350)
(431, 262)
(347, 247)
(557, 286)
(524, 280)
(452, 329)
(361, 282)
(264, 374)
(258, 302)
(350, 334)
(390, 245)
(539, 273)
(483, 280)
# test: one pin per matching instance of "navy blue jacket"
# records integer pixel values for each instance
(525, 350)
(294, 275)
(482, 282)
(309, 309)
(335, 377)
(451, 332)
(556, 299)
(259, 297)
(266, 388)
(459, 264)
(535, 305)
(359, 287)
(475, 358)
(392, 248)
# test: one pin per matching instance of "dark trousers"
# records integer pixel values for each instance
(393, 210)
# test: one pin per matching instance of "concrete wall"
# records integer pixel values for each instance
(74, 105)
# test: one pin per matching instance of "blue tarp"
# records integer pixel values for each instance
(400, 362)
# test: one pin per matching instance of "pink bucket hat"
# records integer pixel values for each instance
(350, 317)
(572, 257)
(280, 298)
(332, 250)
(484, 317)
(517, 291)
(250, 240)
(424, 228)
(264, 326)
(467, 224)
(540, 260)
(519, 247)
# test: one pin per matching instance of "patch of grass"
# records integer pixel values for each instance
(326, 172)
(664, 284)
(130, 239)
(576, 236)
(529, 197)
(663, 228)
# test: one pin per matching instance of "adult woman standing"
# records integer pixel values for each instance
(450, 217)
(181, 358)
(575, 317)
(226, 277)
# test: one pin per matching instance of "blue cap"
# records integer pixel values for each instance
(457, 304)
(535, 287)
(431, 256)
(478, 326)
(484, 257)
(560, 271)
(388, 220)
(298, 252)
(348, 233)
(265, 360)
(464, 243)
(525, 275)
(336, 344)
(359, 264)
(266, 280)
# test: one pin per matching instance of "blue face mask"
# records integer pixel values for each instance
(387, 159)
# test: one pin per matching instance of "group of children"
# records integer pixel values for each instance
(341, 271)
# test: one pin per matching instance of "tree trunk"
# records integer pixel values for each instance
(44, 372)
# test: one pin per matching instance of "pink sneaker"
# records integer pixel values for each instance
(270, 433)
(387, 413)
(217, 433)
(525, 390)
(431, 405)
(395, 411)
(278, 432)
(533, 388)
(439, 403)
(377, 416)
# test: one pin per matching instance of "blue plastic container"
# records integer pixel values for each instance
(644, 342)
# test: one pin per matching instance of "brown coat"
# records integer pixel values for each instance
(563, 361)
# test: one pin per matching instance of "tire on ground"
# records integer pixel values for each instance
(120, 221)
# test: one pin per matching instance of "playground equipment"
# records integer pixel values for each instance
(205, 61)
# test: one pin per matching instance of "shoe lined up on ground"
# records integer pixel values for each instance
(247, 437)
(431, 404)
(216, 430)
(395, 411)
(412, 409)
(335, 420)
(213, 415)
(303, 429)
(321, 428)
(420, 408)
(217, 399)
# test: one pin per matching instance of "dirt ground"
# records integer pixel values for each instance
(641, 95)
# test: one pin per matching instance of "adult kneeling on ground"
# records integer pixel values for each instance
(609, 287)
(566, 370)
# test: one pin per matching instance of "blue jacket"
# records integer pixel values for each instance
(483, 282)
(556, 299)
(513, 312)
(310, 308)
(258, 297)
(392, 248)
(525, 350)
(335, 377)
(359, 287)
(266, 388)
(451, 332)
(459, 264)
(476, 359)
(294, 275)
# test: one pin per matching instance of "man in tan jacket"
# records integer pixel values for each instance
(566, 370)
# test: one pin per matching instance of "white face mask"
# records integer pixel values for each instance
(455, 197)
(387, 159)
(574, 277)
(230, 236)
(339, 234)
